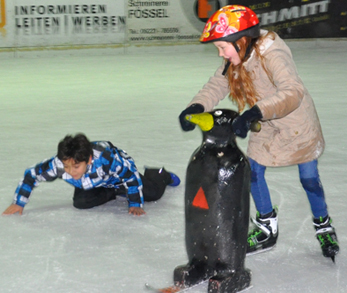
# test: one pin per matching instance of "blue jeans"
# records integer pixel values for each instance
(310, 181)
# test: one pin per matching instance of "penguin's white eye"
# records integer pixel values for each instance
(218, 113)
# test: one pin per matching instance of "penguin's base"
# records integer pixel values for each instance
(190, 275)
(230, 282)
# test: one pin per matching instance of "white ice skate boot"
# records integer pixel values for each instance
(264, 235)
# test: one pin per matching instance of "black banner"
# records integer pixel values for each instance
(289, 18)
(301, 18)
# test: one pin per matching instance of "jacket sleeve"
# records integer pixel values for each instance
(289, 87)
(123, 168)
(44, 171)
(215, 90)
(134, 190)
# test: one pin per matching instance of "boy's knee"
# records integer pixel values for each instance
(81, 204)
(87, 199)
(157, 175)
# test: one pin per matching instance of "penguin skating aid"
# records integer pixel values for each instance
(217, 196)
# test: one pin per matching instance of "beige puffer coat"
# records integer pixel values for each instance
(290, 129)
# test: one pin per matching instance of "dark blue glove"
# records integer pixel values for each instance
(192, 109)
(242, 124)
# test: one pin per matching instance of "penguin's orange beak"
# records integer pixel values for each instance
(203, 120)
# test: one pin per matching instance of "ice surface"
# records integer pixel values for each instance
(133, 100)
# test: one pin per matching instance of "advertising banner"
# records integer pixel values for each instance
(87, 22)
(61, 22)
(302, 18)
(160, 21)
(290, 19)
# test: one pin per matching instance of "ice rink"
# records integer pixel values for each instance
(133, 100)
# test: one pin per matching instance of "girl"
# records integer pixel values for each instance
(259, 72)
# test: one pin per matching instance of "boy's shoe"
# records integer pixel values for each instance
(326, 236)
(264, 235)
(175, 180)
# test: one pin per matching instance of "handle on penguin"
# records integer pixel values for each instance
(255, 126)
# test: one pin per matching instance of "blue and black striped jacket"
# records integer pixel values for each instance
(111, 168)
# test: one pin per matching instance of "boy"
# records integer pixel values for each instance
(99, 171)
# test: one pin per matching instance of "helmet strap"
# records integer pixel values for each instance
(236, 47)
(250, 47)
(227, 65)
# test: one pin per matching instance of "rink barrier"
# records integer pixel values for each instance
(110, 49)
(78, 24)
(149, 48)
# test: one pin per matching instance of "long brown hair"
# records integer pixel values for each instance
(242, 91)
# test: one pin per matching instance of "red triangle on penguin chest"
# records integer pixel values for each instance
(200, 200)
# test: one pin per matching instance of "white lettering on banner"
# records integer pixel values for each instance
(293, 12)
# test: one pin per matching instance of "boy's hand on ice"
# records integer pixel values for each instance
(12, 209)
(136, 211)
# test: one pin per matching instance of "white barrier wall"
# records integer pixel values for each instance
(87, 22)
(70, 23)
(61, 22)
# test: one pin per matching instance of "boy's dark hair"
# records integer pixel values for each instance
(76, 147)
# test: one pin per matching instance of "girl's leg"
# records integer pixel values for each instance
(309, 178)
(259, 189)
(265, 233)
(325, 232)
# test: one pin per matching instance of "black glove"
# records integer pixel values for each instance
(192, 109)
(242, 124)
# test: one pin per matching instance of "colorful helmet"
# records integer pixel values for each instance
(231, 23)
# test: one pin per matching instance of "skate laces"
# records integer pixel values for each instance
(263, 229)
(325, 232)
(260, 233)
(327, 239)
(253, 236)
(326, 236)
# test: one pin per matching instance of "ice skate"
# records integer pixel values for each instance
(326, 236)
(264, 235)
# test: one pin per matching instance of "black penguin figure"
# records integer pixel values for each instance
(217, 197)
